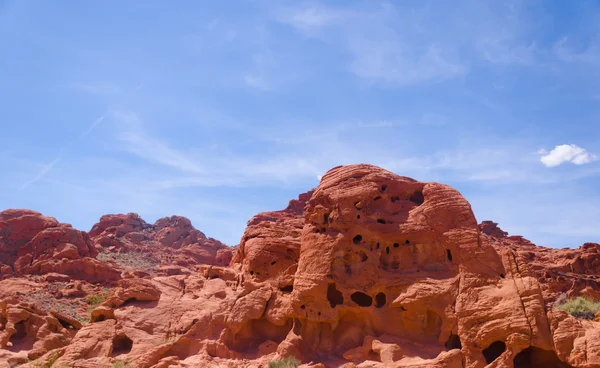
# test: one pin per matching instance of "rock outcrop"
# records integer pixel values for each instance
(370, 269)
(169, 246)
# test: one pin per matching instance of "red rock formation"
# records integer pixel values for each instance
(369, 270)
(34, 244)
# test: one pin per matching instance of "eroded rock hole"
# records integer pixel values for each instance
(358, 217)
(535, 357)
(453, 342)
(377, 198)
(334, 296)
(493, 351)
(21, 331)
(502, 275)
(303, 307)
(363, 257)
(287, 289)
(362, 299)
(417, 198)
(121, 345)
(387, 250)
(272, 263)
(449, 255)
(381, 221)
(251, 272)
(380, 300)
(383, 187)
(65, 324)
(325, 218)
(377, 246)
(396, 245)
(357, 239)
(407, 242)
(395, 199)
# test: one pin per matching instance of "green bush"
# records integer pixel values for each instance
(97, 299)
(288, 362)
(580, 307)
(119, 364)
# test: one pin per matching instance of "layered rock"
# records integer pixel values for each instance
(371, 269)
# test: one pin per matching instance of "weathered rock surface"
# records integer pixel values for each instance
(370, 269)
(169, 246)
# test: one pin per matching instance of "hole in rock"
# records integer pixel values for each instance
(325, 218)
(395, 199)
(449, 255)
(334, 296)
(272, 263)
(303, 307)
(387, 250)
(377, 198)
(363, 256)
(502, 275)
(383, 187)
(535, 357)
(493, 351)
(287, 289)
(380, 300)
(453, 342)
(214, 277)
(251, 272)
(381, 221)
(65, 324)
(121, 345)
(348, 269)
(357, 239)
(407, 242)
(21, 331)
(358, 217)
(100, 318)
(417, 198)
(323, 230)
(377, 246)
(396, 245)
(362, 299)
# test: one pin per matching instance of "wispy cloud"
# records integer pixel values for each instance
(566, 153)
(139, 143)
(48, 167)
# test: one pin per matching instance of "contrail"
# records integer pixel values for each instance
(47, 168)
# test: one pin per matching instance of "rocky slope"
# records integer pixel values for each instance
(370, 269)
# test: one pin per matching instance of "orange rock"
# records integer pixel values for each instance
(371, 269)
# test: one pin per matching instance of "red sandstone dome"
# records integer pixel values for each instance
(370, 269)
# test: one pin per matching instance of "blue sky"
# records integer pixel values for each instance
(219, 110)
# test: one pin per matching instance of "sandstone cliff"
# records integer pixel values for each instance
(370, 269)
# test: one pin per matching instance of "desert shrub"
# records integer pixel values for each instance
(96, 299)
(119, 364)
(580, 307)
(288, 362)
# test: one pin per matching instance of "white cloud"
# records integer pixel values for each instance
(566, 153)
(256, 81)
(313, 18)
